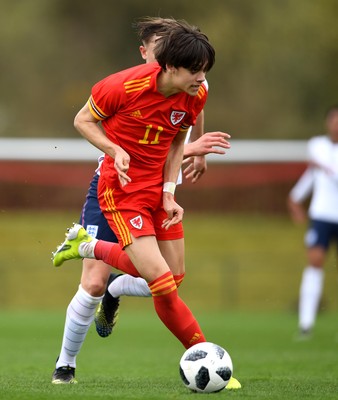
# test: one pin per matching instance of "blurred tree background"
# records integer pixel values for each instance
(275, 72)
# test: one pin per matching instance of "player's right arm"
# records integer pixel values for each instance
(87, 125)
(298, 194)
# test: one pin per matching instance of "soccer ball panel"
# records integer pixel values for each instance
(206, 367)
(202, 378)
(183, 377)
(196, 355)
(224, 372)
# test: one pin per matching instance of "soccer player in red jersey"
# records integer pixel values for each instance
(80, 311)
(145, 113)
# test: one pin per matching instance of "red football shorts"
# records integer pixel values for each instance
(139, 213)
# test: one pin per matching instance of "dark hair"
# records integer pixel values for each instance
(184, 46)
(147, 27)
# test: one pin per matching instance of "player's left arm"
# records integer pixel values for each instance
(170, 175)
(198, 164)
(201, 143)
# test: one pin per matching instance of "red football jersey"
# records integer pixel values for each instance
(142, 121)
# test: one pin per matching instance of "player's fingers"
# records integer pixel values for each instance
(215, 150)
(122, 165)
(218, 134)
(167, 223)
(220, 143)
(189, 175)
(192, 173)
(123, 178)
(188, 169)
(197, 176)
(187, 160)
(224, 135)
(123, 181)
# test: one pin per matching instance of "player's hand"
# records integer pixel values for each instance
(121, 165)
(297, 212)
(195, 168)
(210, 142)
(173, 210)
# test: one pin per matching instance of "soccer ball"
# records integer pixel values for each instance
(206, 368)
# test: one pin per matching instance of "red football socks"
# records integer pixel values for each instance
(178, 279)
(173, 312)
(112, 254)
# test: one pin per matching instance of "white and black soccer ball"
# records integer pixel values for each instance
(206, 368)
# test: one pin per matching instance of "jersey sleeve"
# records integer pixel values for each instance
(105, 98)
(304, 186)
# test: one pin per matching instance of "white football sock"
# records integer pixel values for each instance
(86, 249)
(310, 294)
(127, 285)
(80, 315)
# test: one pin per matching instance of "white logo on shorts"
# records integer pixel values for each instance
(92, 230)
(311, 237)
(137, 222)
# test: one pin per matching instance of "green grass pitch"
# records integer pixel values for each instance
(140, 359)
(242, 284)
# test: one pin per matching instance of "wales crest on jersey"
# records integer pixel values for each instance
(176, 117)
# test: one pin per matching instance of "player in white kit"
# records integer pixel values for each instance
(321, 181)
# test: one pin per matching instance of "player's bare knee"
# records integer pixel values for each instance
(316, 257)
(94, 277)
(96, 286)
(96, 289)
